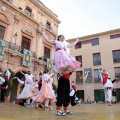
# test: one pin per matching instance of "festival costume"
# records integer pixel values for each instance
(72, 94)
(46, 91)
(4, 86)
(27, 90)
(63, 61)
(63, 95)
(107, 85)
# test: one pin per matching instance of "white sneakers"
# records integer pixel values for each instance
(60, 113)
(68, 112)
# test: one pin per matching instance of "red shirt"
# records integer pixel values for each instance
(66, 76)
(40, 82)
(73, 86)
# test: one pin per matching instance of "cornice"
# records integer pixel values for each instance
(46, 10)
(95, 35)
(15, 8)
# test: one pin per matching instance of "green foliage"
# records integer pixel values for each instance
(54, 87)
(10, 83)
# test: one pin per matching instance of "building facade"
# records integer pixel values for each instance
(95, 51)
(22, 46)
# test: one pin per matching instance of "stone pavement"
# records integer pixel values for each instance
(82, 112)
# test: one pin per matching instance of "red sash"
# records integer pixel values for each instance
(105, 77)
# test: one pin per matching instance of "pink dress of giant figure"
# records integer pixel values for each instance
(62, 60)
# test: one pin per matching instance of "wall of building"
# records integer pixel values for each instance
(105, 48)
(15, 20)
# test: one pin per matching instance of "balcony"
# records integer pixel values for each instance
(97, 80)
(28, 13)
(79, 81)
(12, 46)
(33, 53)
(17, 48)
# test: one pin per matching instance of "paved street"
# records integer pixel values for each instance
(82, 112)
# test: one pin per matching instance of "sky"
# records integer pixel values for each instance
(85, 17)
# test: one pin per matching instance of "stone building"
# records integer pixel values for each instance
(103, 50)
(22, 47)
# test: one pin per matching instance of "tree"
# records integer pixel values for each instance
(10, 83)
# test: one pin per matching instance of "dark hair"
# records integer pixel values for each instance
(70, 73)
(46, 71)
(29, 72)
(59, 37)
(36, 80)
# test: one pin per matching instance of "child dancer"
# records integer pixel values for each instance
(46, 94)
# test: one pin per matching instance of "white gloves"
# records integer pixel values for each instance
(20, 81)
(76, 41)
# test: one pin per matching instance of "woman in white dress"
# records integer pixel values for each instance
(63, 61)
(28, 87)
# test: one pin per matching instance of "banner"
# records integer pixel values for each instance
(88, 75)
(50, 65)
(2, 49)
(27, 58)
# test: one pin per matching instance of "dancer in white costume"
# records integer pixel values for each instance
(105, 79)
(28, 86)
(63, 61)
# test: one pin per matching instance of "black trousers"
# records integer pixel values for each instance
(72, 100)
(63, 92)
(3, 95)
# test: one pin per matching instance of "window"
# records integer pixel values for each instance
(95, 41)
(48, 25)
(117, 72)
(79, 77)
(116, 56)
(46, 53)
(78, 45)
(96, 59)
(25, 43)
(114, 36)
(2, 32)
(86, 42)
(97, 76)
(28, 11)
(79, 58)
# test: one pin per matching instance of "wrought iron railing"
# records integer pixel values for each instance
(17, 48)
(97, 80)
(79, 81)
(12, 46)
(30, 14)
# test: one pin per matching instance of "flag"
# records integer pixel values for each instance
(7, 75)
